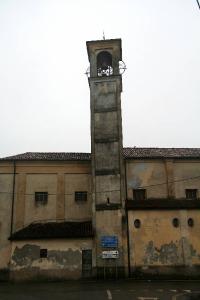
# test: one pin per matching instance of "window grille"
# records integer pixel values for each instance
(80, 196)
(139, 194)
(43, 253)
(191, 193)
(41, 198)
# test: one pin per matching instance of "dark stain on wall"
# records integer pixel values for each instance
(167, 253)
(171, 253)
(134, 183)
(66, 258)
(26, 255)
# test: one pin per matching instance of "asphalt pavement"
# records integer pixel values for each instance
(102, 290)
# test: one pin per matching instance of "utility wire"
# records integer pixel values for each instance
(54, 194)
(167, 182)
(107, 191)
(198, 4)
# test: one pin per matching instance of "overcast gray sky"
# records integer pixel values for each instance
(44, 94)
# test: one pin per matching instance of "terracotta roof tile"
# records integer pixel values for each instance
(129, 153)
(161, 152)
(49, 156)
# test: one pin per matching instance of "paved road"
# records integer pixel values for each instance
(97, 290)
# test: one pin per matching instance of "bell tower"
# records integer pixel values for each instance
(105, 83)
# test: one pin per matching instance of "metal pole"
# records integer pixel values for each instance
(13, 198)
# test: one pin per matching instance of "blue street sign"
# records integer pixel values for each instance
(109, 241)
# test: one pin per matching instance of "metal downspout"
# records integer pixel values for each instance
(13, 197)
(127, 227)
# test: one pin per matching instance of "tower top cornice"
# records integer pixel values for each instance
(97, 45)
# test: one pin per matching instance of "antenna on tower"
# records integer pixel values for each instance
(104, 35)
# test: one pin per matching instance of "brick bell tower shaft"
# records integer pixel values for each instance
(105, 83)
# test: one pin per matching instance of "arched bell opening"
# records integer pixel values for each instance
(104, 64)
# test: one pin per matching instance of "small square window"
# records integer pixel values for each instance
(191, 193)
(43, 253)
(139, 194)
(80, 196)
(41, 198)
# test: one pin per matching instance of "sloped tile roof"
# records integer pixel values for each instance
(129, 153)
(51, 230)
(49, 156)
(161, 152)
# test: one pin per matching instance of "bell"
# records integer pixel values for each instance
(104, 65)
(104, 60)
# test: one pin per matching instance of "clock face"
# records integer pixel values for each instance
(122, 67)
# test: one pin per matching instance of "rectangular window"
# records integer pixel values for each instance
(80, 196)
(191, 193)
(41, 198)
(43, 253)
(139, 194)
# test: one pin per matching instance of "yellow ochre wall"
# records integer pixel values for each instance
(60, 180)
(157, 246)
(162, 178)
(157, 243)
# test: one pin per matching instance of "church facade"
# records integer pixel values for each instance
(115, 212)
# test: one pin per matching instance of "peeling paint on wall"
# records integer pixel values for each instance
(169, 254)
(65, 258)
(29, 255)
(26, 255)
(134, 182)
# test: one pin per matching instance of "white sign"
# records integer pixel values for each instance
(110, 254)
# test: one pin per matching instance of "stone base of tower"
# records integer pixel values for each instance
(111, 247)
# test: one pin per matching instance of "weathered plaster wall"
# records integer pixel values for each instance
(109, 223)
(157, 243)
(40, 183)
(107, 186)
(186, 169)
(64, 259)
(6, 184)
(77, 210)
(60, 180)
(163, 178)
(146, 174)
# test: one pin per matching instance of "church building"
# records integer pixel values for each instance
(115, 212)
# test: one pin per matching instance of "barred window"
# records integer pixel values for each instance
(41, 198)
(43, 253)
(191, 193)
(81, 196)
(139, 194)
